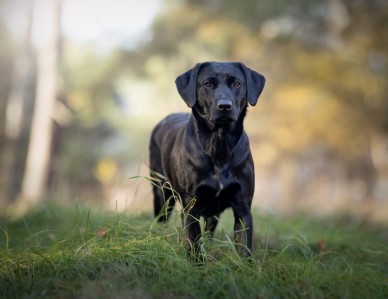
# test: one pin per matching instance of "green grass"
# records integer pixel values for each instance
(75, 252)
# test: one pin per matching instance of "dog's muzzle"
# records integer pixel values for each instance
(223, 113)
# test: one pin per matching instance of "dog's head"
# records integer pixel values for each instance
(220, 91)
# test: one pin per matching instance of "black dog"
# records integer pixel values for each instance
(204, 156)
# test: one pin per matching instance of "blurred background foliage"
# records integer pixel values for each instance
(318, 134)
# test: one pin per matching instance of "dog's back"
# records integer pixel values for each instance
(163, 137)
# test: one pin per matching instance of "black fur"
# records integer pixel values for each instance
(205, 156)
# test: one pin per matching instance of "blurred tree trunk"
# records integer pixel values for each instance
(39, 149)
(15, 116)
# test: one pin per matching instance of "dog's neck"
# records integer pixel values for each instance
(218, 141)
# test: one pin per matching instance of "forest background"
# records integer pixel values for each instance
(76, 111)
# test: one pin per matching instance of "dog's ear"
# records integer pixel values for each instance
(255, 83)
(187, 85)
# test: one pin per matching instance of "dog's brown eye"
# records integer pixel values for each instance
(236, 84)
(208, 84)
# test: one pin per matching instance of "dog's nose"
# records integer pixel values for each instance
(224, 105)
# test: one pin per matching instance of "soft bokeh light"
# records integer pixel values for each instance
(110, 24)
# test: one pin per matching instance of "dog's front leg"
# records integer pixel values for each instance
(192, 231)
(243, 229)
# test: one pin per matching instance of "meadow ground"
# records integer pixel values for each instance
(76, 252)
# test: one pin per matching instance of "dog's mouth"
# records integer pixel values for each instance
(225, 120)
(222, 117)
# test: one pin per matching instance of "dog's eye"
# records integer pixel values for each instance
(236, 84)
(208, 84)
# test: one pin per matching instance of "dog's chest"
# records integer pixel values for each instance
(215, 193)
